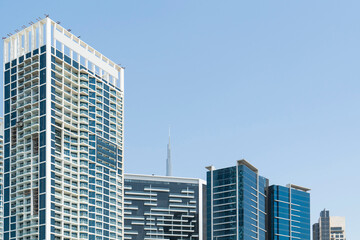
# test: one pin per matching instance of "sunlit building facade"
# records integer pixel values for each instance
(236, 203)
(159, 207)
(1, 176)
(63, 137)
(289, 212)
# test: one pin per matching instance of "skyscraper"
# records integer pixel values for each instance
(63, 137)
(1, 176)
(158, 207)
(329, 227)
(236, 203)
(289, 212)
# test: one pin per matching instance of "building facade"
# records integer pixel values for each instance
(1, 176)
(288, 212)
(63, 137)
(236, 203)
(158, 207)
(329, 227)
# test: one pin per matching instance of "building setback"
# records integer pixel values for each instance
(63, 137)
(158, 207)
(289, 212)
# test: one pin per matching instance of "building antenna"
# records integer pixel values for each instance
(168, 160)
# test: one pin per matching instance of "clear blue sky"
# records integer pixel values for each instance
(274, 82)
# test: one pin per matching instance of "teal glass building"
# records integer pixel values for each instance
(236, 203)
(289, 212)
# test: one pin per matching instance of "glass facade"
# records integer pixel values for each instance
(236, 203)
(1, 177)
(63, 140)
(289, 213)
(163, 207)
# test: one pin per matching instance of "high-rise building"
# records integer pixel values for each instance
(1, 176)
(236, 203)
(158, 207)
(63, 137)
(337, 228)
(289, 212)
(329, 227)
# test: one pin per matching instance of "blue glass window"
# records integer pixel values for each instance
(7, 76)
(7, 92)
(42, 185)
(42, 123)
(42, 60)
(59, 54)
(43, 92)
(42, 76)
(42, 233)
(43, 107)
(43, 49)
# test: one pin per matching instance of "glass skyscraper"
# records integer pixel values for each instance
(63, 137)
(1, 176)
(236, 203)
(158, 207)
(289, 212)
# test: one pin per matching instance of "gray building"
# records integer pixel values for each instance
(329, 227)
(158, 207)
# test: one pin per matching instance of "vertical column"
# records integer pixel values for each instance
(6, 52)
(26, 41)
(121, 79)
(200, 210)
(33, 38)
(41, 34)
(257, 205)
(12, 48)
(211, 202)
(237, 200)
(48, 128)
(18, 50)
(290, 201)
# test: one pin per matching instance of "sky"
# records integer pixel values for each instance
(273, 82)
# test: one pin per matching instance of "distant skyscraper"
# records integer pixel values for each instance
(337, 228)
(63, 137)
(168, 159)
(289, 212)
(158, 207)
(329, 227)
(236, 203)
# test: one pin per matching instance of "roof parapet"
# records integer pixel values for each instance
(210, 168)
(304, 189)
(247, 164)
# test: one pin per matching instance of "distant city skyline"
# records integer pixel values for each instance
(276, 83)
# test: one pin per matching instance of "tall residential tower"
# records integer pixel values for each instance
(63, 137)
